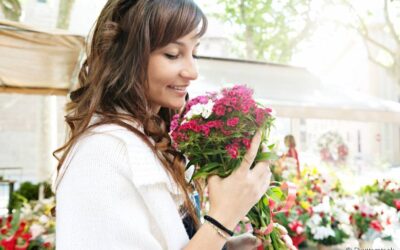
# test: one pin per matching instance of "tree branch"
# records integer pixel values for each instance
(390, 24)
(372, 59)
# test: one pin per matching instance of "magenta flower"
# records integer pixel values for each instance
(232, 122)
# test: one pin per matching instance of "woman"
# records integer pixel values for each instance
(290, 143)
(120, 183)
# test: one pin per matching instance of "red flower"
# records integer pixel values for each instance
(232, 150)
(363, 214)
(232, 122)
(356, 207)
(47, 245)
(298, 239)
(376, 226)
(260, 115)
(246, 142)
(219, 110)
(9, 243)
(271, 203)
(297, 227)
(397, 204)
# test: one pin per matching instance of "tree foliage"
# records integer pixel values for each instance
(11, 9)
(379, 29)
(269, 30)
(64, 13)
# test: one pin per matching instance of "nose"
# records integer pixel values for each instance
(189, 70)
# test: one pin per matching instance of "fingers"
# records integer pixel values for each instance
(252, 152)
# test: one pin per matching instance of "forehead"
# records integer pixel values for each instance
(190, 39)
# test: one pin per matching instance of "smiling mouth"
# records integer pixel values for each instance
(178, 88)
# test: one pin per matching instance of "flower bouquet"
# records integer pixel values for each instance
(386, 191)
(294, 221)
(371, 220)
(29, 228)
(214, 132)
(329, 224)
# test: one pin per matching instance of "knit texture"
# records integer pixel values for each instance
(113, 193)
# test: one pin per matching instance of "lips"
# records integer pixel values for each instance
(178, 88)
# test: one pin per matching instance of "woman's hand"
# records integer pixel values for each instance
(245, 241)
(232, 197)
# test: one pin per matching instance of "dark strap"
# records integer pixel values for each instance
(217, 224)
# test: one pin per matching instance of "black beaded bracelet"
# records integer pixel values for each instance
(217, 224)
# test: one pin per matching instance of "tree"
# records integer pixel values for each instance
(380, 32)
(11, 9)
(270, 30)
(64, 13)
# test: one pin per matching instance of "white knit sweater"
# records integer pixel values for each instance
(113, 193)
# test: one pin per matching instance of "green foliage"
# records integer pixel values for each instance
(11, 9)
(270, 30)
(27, 192)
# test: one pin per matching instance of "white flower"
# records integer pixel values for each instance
(36, 230)
(315, 220)
(391, 186)
(321, 232)
(204, 110)
(43, 219)
(324, 207)
(341, 216)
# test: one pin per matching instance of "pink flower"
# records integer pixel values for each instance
(246, 142)
(260, 116)
(219, 110)
(232, 122)
(205, 129)
(175, 122)
(232, 150)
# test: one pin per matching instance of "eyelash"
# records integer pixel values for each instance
(173, 57)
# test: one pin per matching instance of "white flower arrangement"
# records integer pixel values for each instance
(329, 224)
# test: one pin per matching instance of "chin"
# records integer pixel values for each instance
(176, 106)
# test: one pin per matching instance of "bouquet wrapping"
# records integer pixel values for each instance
(214, 132)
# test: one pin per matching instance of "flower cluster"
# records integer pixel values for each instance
(386, 191)
(314, 215)
(332, 148)
(214, 132)
(371, 220)
(329, 223)
(14, 233)
(31, 227)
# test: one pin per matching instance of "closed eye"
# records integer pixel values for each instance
(170, 56)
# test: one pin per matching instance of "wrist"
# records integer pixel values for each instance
(224, 219)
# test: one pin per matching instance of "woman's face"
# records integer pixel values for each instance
(170, 71)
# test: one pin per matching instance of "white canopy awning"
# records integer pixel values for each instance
(37, 61)
(293, 92)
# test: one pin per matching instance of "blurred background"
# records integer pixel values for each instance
(330, 69)
(325, 66)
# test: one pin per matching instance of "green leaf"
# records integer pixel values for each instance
(275, 193)
(266, 156)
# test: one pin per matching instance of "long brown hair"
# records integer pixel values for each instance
(113, 78)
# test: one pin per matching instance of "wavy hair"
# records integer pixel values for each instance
(113, 78)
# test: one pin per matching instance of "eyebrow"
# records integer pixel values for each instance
(183, 44)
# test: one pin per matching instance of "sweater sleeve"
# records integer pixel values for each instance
(98, 207)
(113, 196)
